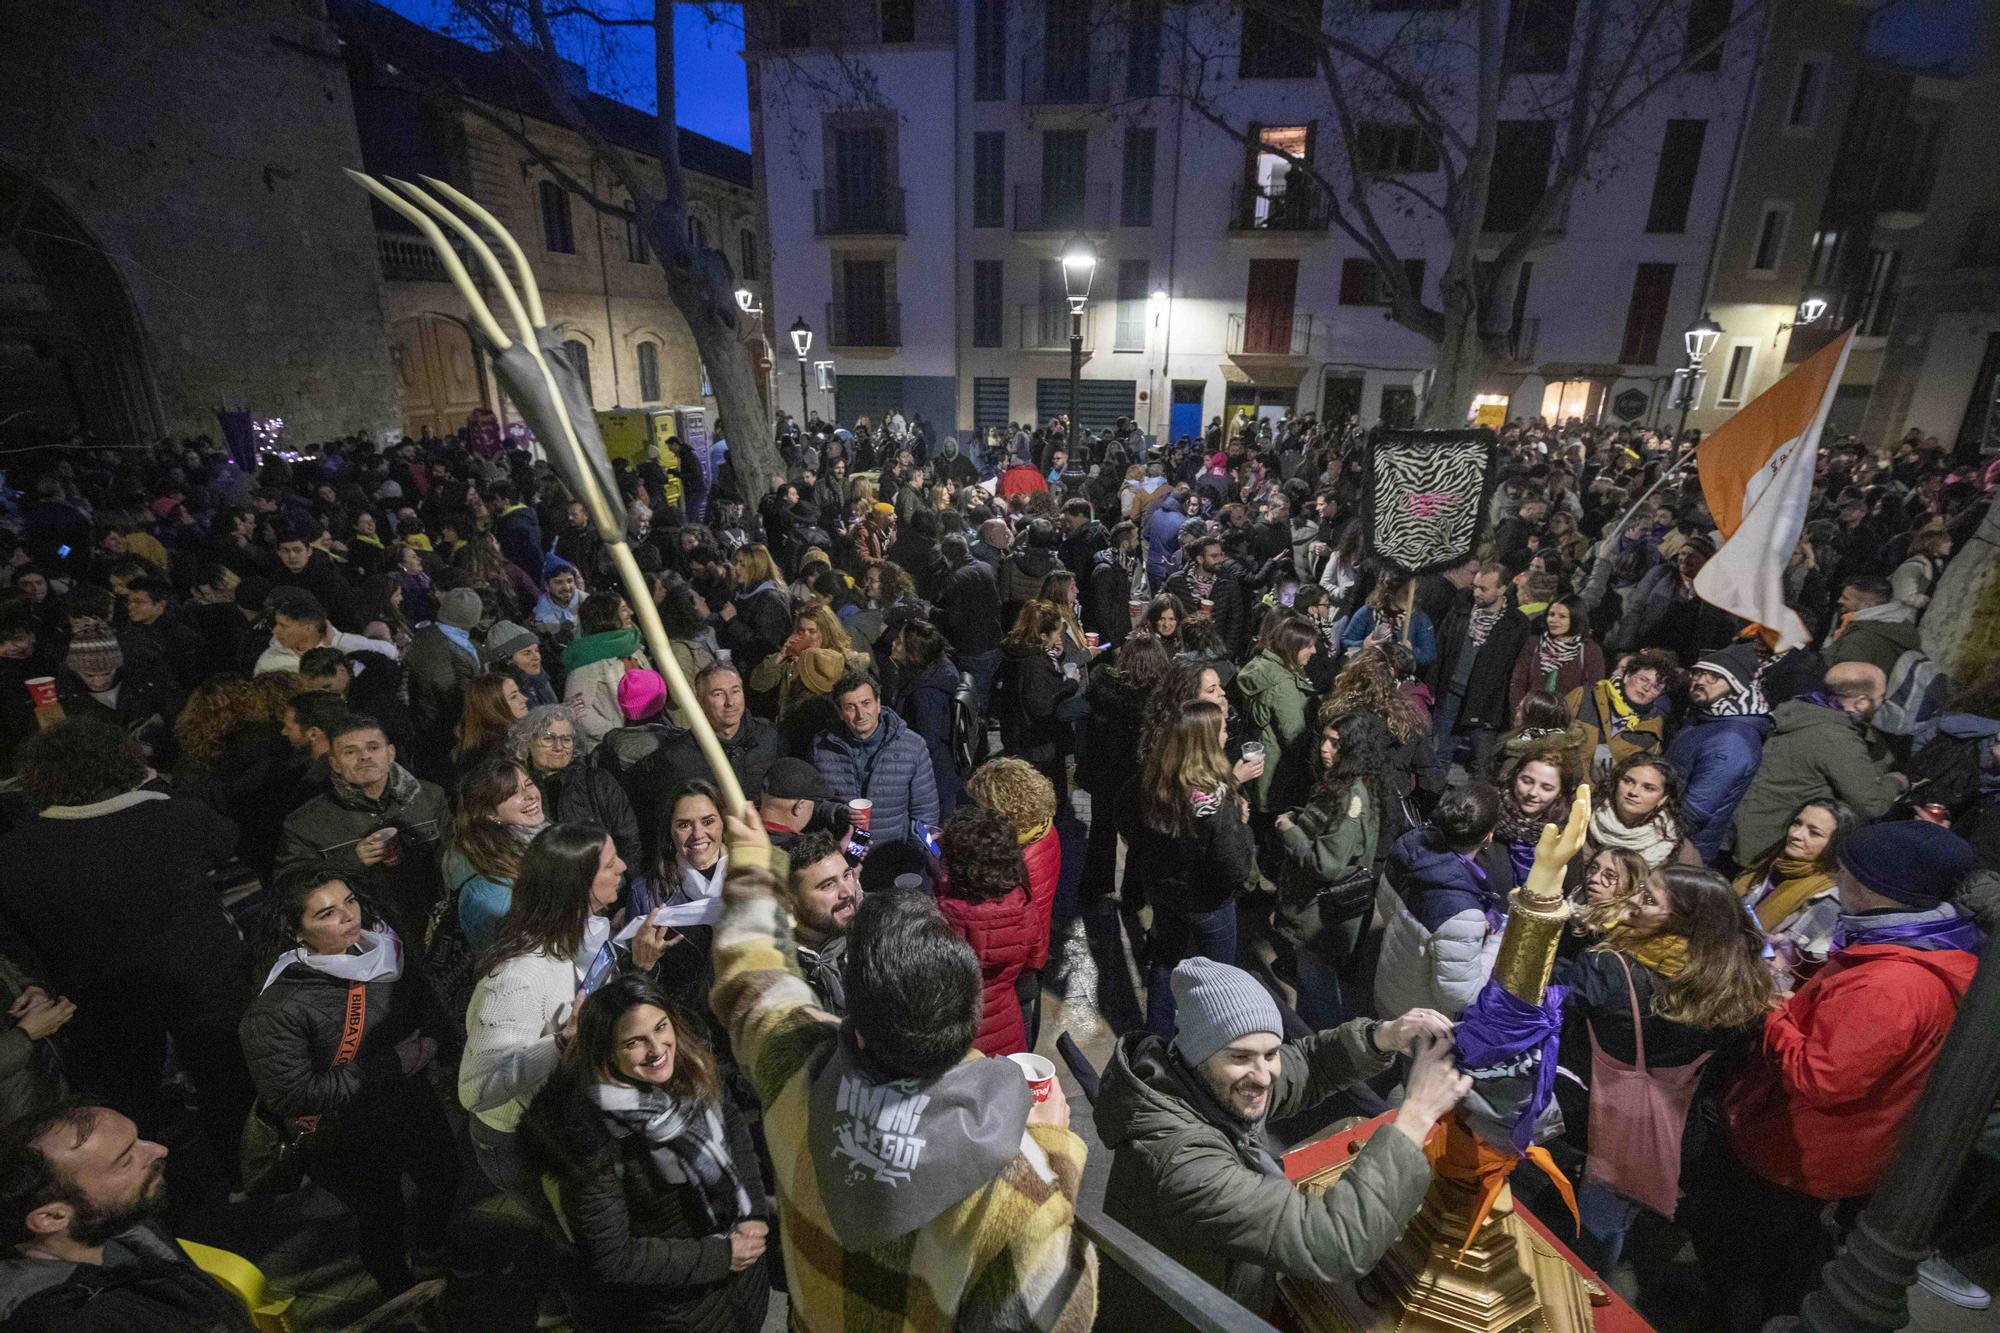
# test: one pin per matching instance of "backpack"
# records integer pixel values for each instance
(1916, 694)
(968, 729)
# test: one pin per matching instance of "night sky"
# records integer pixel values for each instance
(709, 93)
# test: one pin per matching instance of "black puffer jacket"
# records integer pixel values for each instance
(291, 1033)
(581, 794)
(146, 1284)
(643, 1259)
(1110, 752)
(1041, 705)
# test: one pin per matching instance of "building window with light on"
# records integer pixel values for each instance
(649, 372)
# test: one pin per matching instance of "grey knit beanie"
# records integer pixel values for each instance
(459, 608)
(1216, 1004)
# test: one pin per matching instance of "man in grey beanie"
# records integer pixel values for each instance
(1195, 1171)
(442, 661)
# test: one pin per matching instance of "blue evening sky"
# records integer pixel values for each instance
(709, 92)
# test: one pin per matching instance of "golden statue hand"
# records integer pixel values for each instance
(1555, 851)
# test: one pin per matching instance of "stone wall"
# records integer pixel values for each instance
(199, 144)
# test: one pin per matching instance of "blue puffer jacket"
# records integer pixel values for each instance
(895, 773)
(1437, 943)
(1716, 758)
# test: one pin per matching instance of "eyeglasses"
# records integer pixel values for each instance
(557, 741)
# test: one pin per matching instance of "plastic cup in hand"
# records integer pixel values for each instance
(859, 812)
(1091, 640)
(1253, 752)
(1040, 1073)
(1208, 606)
(42, 689)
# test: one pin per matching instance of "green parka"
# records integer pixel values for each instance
(1277, 703)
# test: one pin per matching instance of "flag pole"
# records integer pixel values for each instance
(1678, 466)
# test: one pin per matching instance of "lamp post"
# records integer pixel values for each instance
(802, 341)
(1700, 340)
(1808, 313)
(1079, 265)
(746, 301)
(1161, 301)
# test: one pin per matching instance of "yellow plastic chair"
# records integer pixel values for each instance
(245, 1281)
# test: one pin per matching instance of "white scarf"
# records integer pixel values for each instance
(378, 956)
(1654, 840)
(697, 885)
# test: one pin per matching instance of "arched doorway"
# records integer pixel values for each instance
(442, 376)
(71, 356)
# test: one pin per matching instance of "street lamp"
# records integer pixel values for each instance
(746, 301)
(1700, 340)
(1808, 313)
(802, 341)
(1079, 265)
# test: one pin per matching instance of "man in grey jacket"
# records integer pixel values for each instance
(1194, 1168)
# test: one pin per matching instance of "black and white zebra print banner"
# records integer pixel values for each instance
(1427, 494)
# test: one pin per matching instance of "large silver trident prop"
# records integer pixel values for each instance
(550, 394)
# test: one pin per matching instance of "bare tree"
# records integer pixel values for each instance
(1454, 78)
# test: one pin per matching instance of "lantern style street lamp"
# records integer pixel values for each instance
(802, 341)
(1079, 265)
(1700, 340)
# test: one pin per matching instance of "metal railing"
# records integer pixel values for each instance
(861, 325)
(409, 257)
(1269, 337)
(1084, 209)
(876, 212)
(1169, 1281)
(1065, 78)
(1299, 206)
(1046, 329)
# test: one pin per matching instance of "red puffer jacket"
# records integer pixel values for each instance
(1004, 934)
(1044, 857)
(1843, 1064)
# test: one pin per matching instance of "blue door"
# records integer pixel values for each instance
(1185, 420)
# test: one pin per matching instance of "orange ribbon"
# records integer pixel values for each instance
(1457, 1154)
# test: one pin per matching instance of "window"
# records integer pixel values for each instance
(635, 240)
(1736, 375)
(1268, 306)
(861, 176)
(864, 286)
(1981, 246)
(649, 372)
(746, 243)
(697, 232)
(989, 51)
(1646, 317)
(1362, 283)
(1538, 33)
(1771, 229)
(1064, 155)
(1133, 289)
(794, 23)
(1136, 209)
(1395, 150)
(1824, 270)
(1673, 183)
(989, 403)
(1281, 192)
(579, 358)
(1708, 21)
(1522, 151)
(899, 21)
(1808, 91)
(989, 178)
(1273, 47)
(1878, 309)
(988, 306)
(558, 237)
(1142, 48)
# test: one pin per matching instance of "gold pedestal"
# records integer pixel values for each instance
(1510, 1278)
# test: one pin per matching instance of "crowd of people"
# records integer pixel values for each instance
(353, 835)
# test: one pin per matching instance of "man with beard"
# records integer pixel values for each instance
(1212, 582)
(79, 1195)
(1720, 744)
(822, 892)
(1196, 1171)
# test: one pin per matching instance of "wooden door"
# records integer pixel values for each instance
(1267, 305)
(439, 371)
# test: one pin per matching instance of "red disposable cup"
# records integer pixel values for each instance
(860, 811)
(42, 689)
(1040, 1073)
(1091, 641)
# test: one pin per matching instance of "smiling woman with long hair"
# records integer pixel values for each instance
(493, 703)
(653, 1172)
(378, 1119)
(1188, 842)
(1790, 887)
(499, 813)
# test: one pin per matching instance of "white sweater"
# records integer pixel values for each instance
(510, 1036)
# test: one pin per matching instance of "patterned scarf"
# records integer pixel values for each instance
(689, 1146)
(1520, 833)
(1792, 884)
(1484, 618)
(1944, 926)
(1553, 654)
(1654, 840)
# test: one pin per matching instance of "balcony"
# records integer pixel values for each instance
(1085, 209)
(1046, 329)
(1065, 78)
(408, 257)
(1299, 206)
(1276, 335)
(858, 213)
(863, 325)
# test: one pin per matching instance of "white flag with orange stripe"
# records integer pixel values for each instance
(1757, 476)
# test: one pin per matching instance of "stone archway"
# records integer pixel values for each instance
(441, 373)
(72, 357)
